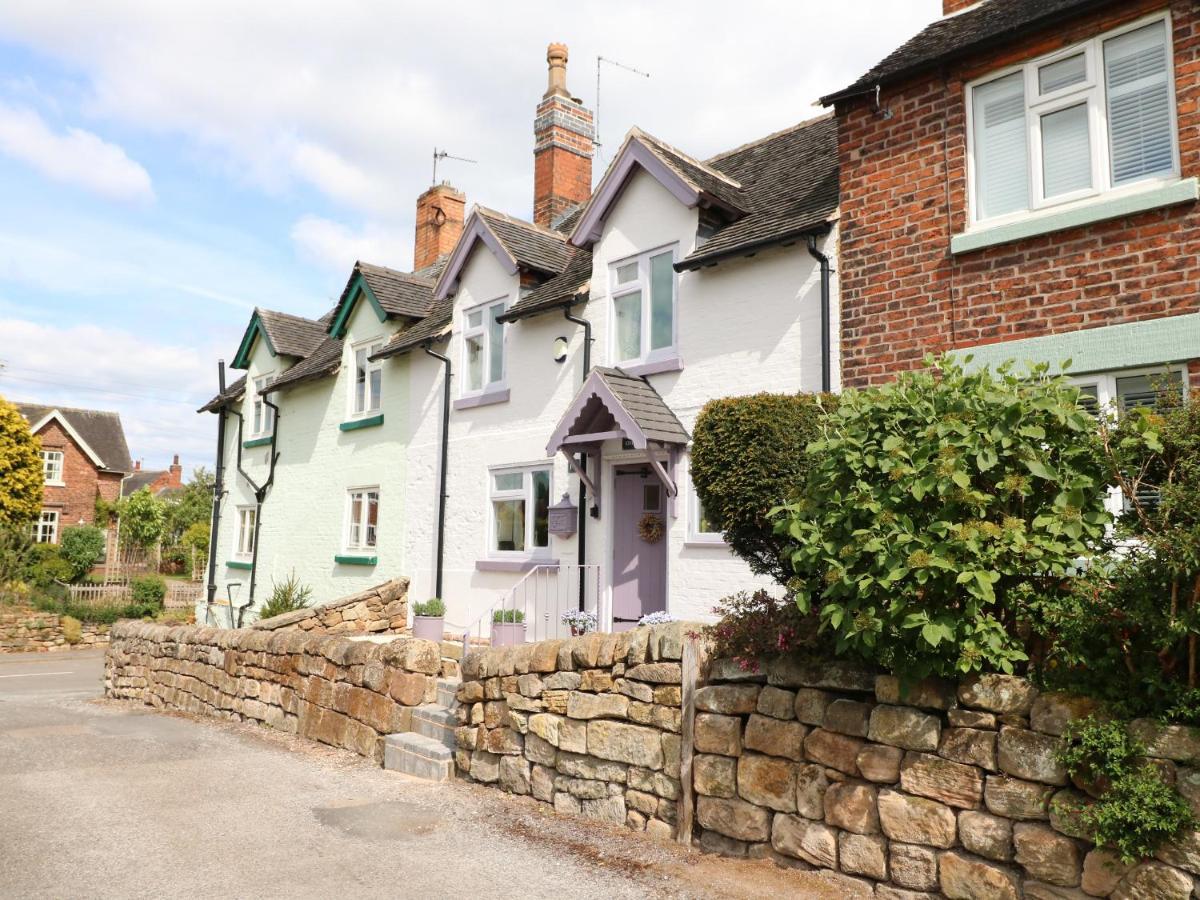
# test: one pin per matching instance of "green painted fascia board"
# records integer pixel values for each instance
(356, 560)
(237, 564)
(360, 288)
(256, 442)
(1109, 348)
(1182, 191)
(355, 424)
(242, 359)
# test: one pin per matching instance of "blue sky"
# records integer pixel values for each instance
(166, 167)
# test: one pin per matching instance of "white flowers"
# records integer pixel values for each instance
(580, 621)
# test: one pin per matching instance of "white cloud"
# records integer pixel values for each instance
(156, 387)
(335, 247)
(77, 157)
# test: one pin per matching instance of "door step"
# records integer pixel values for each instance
(447, 692)
(419, 756)
(434, 721)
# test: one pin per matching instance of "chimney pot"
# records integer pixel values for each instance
(556, 57)
(564, 143)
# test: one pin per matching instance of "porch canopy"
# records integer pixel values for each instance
(614, 404)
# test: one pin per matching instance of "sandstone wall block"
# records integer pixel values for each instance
(963, 877)
(916, 820)
(1030, 755)
(1047, 855)
(853, 807)
(813, 842)
(734, 818)
(940, 779)
(903, 726)
(863, 854)
(1005, 694)
(767, 781)
(775, 736)
(913, 866)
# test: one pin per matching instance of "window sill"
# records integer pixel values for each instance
(1098, 210)
(704, 542)
(55, 484)
(657, 367)
(353, 560)
(366, 422)
(487, 398)
(512, 565)
(257, 442)
(238, 564)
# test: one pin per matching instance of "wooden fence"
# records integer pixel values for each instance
(180, 594)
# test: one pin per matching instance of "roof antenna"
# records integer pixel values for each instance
(619, 65)
(439, 155)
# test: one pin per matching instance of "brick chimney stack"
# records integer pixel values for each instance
(949, 7)
(440, 213)
(564, 142)
(176, 473)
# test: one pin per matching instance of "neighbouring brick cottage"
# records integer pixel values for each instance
(160, 482)
(1020, 179)
(84, 457)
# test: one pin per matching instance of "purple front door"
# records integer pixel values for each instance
(639, 568)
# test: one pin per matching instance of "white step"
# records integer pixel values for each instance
(419, 756)
(434, 721)
(447, 691)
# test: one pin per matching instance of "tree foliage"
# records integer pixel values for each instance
(143, 519)
(82, 547)
(21, 476)
(189, 506)
(936, 507)
(748, 456)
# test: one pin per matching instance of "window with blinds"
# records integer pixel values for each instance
(1070, 126)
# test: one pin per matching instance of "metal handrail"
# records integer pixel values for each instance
(540, 598)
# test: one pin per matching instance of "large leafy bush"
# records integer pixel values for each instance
(82, 546)
(143, 519)
(20, 468)
(748, 456)
(936, 507)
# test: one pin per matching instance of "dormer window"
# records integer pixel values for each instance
(263, 420)
(643, 307)
(367, 389)
(1093, 119)
(483, 348)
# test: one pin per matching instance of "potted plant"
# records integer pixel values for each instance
(581, 621)
(429, 619)
(508, 627)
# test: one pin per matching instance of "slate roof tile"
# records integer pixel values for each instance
(100, 429)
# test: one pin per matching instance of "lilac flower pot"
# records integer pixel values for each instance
(431, 628)
(506, 634)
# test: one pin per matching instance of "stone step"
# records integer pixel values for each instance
(433, 720)
(447, 688)
(419, 756)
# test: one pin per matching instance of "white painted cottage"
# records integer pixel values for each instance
(528, 369)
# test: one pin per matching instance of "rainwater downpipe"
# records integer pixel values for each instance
(826, 362)
(441, 519)
(260, 494)
(218, 488)
(581, 547)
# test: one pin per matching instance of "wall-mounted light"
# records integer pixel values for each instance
(560, 349)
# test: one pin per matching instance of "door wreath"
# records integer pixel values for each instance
(651, 528)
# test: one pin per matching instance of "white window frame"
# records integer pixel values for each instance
(1091, 91)
(642, 283)
(48, 469)
(372, 404)
(45, 527)
(362, 546)
(484, 331)
(526, 493)
(695, 535)
(243, 535)
(262, 417)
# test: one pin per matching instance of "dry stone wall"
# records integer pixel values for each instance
(945, 790)
(378, 610)
(340, 692)
(593, 725)
(29, 631)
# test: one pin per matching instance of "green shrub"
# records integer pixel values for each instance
(15, 553)
(753, 626)
(46, 566)
(936, 507)
(21, 476)
(143, 519)
(149, 591)
(748, 456)
(72, 629)
(286, 596)
(434, 607)
(508, 616)
(1137, 811)
(82, 547)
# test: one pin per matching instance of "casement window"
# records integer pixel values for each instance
(263, 417)
(643, 307)
(520, 511)
(362, 519)
(45, 527)
(52, 466)
(247, 519)
(1095, 118)
(368, 380)
(483, 348)
(701, 529)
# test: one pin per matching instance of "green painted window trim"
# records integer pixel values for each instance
(360, 289)
(238, 564)
(256, 442)
(356, 560)
(368, 422)
(242, 359)
(1132, 345)
(1181, 191)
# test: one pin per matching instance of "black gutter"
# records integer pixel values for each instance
(441, 522)
(693, 263)
(218, 489)
(581, 545)
(260, 494)
(826, 362)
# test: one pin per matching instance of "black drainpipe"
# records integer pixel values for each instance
(826, 362)
(581, 548)
(441, 520)
(218, 489)
(260, 494)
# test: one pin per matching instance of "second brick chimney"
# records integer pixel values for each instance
(949, 7)
(175, 473)
(440, 212)
(564, 142)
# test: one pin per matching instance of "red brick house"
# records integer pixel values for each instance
(84, 456)
(1020, 178)
(160, 482)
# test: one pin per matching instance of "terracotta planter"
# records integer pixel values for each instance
(506, 634)
(431, 628)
